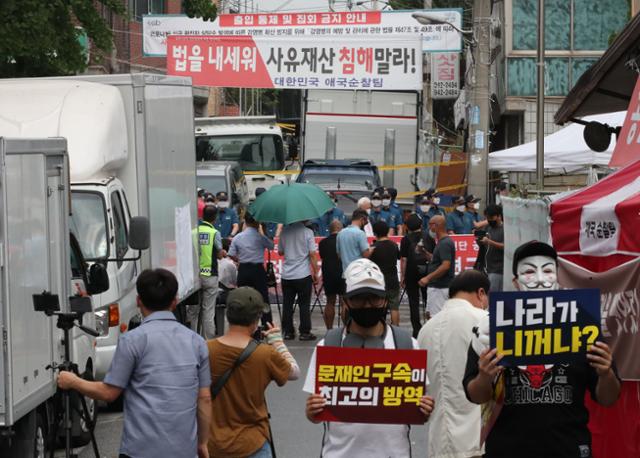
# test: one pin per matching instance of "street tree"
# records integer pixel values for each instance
(41, 38)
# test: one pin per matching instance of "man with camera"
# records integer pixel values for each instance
(493, 240)
(163, 367)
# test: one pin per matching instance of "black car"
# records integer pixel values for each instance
(347, 179)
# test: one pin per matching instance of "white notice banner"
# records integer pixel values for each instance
(396, 24)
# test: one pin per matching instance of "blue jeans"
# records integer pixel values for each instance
(263, 452)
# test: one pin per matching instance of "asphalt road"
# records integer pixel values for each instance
(295, 436)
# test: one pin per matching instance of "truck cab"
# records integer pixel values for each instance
(100, 221)
(255, 142)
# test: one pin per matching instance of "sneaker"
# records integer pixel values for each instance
(289, 336)
(307, 336)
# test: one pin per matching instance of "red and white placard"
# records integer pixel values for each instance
(298, 63)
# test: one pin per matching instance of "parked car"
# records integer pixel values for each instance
(227, 176)
(347, 179)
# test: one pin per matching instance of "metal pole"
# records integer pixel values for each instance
(540, 101)
(389, 156)
(479, 127)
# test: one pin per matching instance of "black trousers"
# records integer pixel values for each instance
(254, 275)
(413, 293)
(302, 289)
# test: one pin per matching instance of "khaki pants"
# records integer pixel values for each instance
(209, 297)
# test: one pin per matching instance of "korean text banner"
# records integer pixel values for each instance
(363, 385)
(544, 327)
(298, 63)
(337, 25)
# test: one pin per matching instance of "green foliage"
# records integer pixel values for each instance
(40, 38)
(204, 9)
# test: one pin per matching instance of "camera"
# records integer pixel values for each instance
(479, 234)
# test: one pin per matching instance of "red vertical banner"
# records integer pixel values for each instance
(363, 385)
(628, 144)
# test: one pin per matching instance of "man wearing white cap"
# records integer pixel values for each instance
(366, 328)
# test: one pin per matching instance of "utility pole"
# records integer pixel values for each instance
(427, 102)
(479, 126)
(540, 101)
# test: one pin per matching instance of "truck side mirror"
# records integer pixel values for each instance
(98, 279)
(139, 233)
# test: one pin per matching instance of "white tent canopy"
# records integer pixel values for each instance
(564, 150)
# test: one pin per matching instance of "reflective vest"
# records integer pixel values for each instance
(208, 251)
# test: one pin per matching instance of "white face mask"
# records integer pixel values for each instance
(425, 208)
(476, 206)
(386, 202)
(537, 273)
(498, 199)
(461, 208)
(432, 234)
(223, 204)
(376, 202)
(436, 201)
(368, 211)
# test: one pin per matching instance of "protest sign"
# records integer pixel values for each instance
(363, 385)
(466, 253)
(298, 62)
(544, 327)
(336, 25)
(445, 75)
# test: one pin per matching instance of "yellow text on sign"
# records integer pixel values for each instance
(548, 341)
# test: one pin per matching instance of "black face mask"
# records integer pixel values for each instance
(368, 317)
(493, 223)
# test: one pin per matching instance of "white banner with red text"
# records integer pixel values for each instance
(337, 25)
(298, 63)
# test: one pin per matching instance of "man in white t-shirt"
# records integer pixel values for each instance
(454, 426)
(367, 328)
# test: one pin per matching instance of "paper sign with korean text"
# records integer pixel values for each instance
(445, 75)
(628, 141)
(544, 327)
(363, 385)
(337, 25)
(298, 63)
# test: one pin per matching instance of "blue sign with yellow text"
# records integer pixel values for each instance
(544, 327)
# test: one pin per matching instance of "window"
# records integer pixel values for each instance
(138, 8)
(89, 224)
(576, 33)
(253, 152)
(119, 227)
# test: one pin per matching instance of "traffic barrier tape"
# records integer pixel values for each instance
(442, 189)
(381, 168)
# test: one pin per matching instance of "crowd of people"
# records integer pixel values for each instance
(202, 393)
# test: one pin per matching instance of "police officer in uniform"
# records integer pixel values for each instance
(380, 214)
(321, 224)
(210, 247)
(227, 222)
(392, 206)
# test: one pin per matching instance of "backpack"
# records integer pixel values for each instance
(401, 338)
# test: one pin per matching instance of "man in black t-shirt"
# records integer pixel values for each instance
(332, 280)
(386, 254)
(441, 268)
(543, 412)
(415, 251)
(494, 241)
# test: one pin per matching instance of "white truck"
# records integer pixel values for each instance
(38, 254)
(131, 152)
(255, 142)
(382, 127)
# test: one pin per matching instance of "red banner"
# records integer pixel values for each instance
(628, 144)
(371, 386)
(466, 253)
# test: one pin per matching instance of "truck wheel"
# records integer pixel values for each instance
(81, 434)
(29, 440)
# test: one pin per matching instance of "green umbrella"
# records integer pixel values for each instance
(290, 203)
